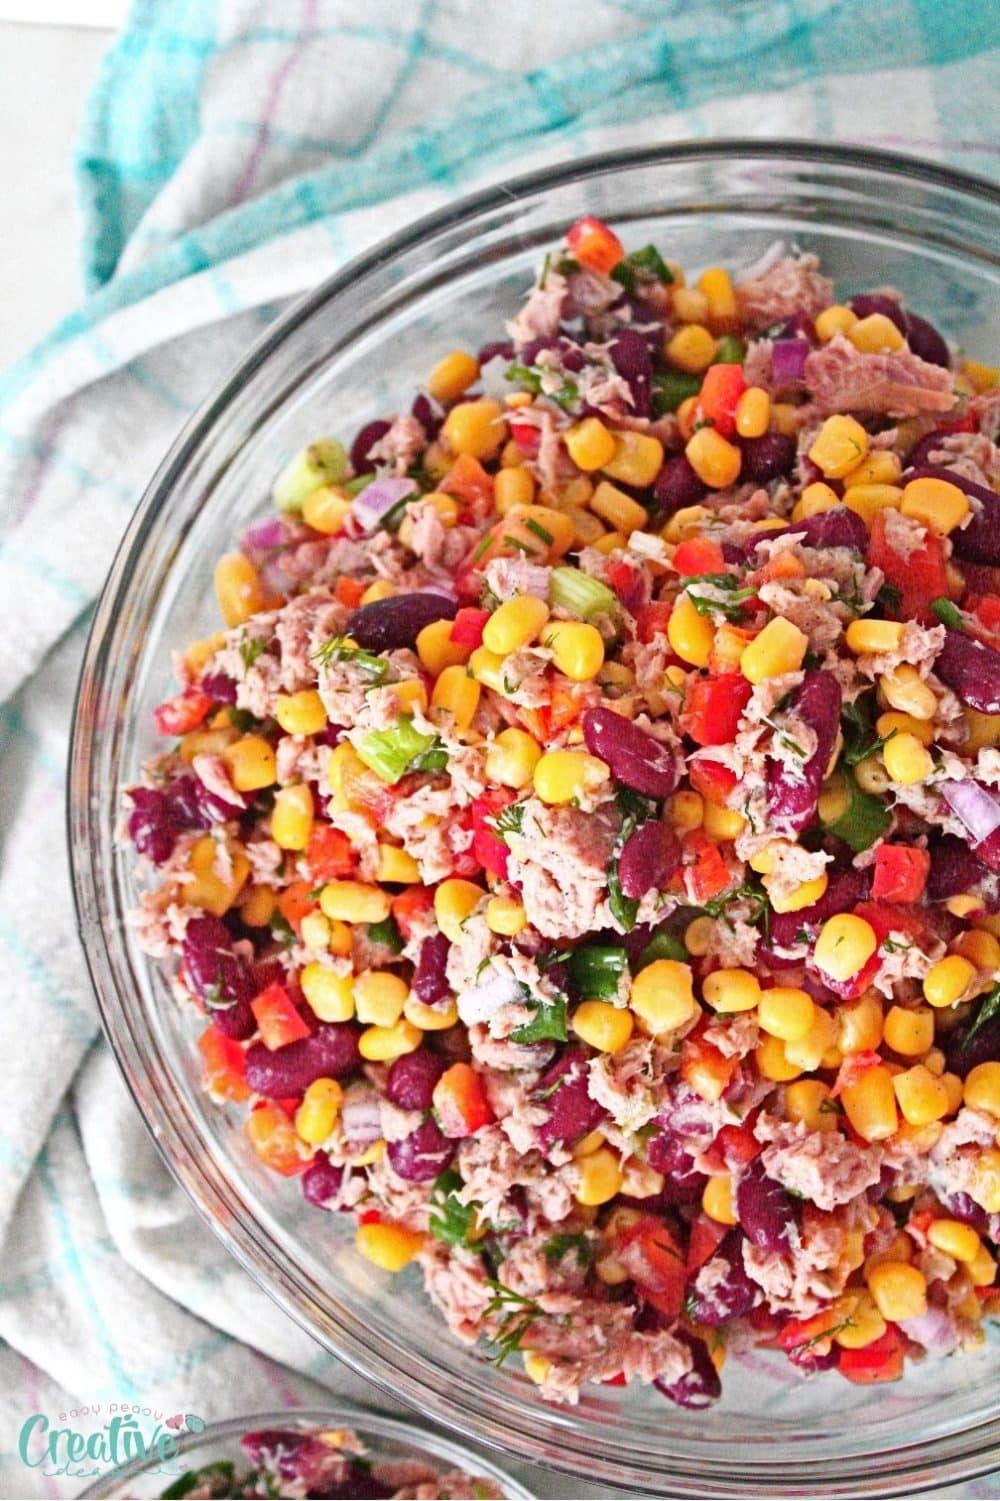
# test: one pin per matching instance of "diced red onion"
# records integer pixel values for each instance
(974, 806)
(482, 1002)
(788, 360)
(378, 499)
(935, 1330)
(266, 534)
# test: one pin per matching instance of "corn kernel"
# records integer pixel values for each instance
(454, 901)
(893, 722)
(315, 931)
(589, 444)
(840, 444)
(436, 649)
(567, 776)
(867, 500)
(946, 982)
(388, 1247)
(818, 1047)
(906, 760)
(687, 416)
(909, 1031)
(380, 589)
(786, 1013)
(317, 1115)
(505, 914)
(874, 636)
(475, 428)
(861, 1024)
(251, 762)
(808, 1101)
(937, 504)
(512, 757)
(326, 509)
(922, 1098)
(637, 458)
(513, 487)
(982, 1088)
(379, 998)
(716, 285)
(844, 946)
(836, 319)
(729, 990)
(577, 649)
(344, 771)
(208, 889)
(904, 689)
(486, 667)
(600, 1178)
(452, 375)
(806, 894)
(815, 499)
(396, 867)
(719, 1201)
(786, 419)
(618, 509)
(691, 635)
(611, 542)
(663, 996)
(384, 1044)
(354, 902)
(880, 467)
(780, 648)
(723, 823)
(257, 905)
(870, 1104)
(773, 1062)
(981, 949)
(713, 458)
(602, 1026)
(206, 742)
(689, 304)
(687, 522)
(686, 809)
(955, 1239)
(871, 776)
(692, 348)
(981, 377)
(985, 1185)
(292, 817)
(698, 936)
(300, 713)
(982, 1268)
(455, 697)
(875, 334)
(514, 624)
(238, 589)
(899, 1290)
(753, 413)
(330, 995)
(436, 1018)
(862, 1324)
(536, 1366)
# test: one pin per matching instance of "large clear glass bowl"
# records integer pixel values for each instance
(353, 349)
(384, 1438)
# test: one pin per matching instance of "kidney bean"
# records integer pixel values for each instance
(844, 890)
(563, 1093)
(329, 1052)
(766, 1210)
(955, 870)
(925, 341)
(321, 1181)
(370, 434)
(650, 856)
(666, 1154)
(430, 981)
(220, 686)
(700, 1386)
(979, 540)
(631, 358)
(636, 759)
(388, 624)
(793, 801)
(150, 826)
(721, 1290)
(217, 975)
(411, 1079)
(428, 414)
(422, 1155)
(767, 458)
(961, 1207)
(837, 527)
(499, 349)
(677, 485)
(971, 670)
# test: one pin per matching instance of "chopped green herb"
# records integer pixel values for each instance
(214, 999)
(646, 263)
(282, 929)
(547, 1025)
(663, 946)
(623, 908)
(595, 969)
(241, 719)
(727, 584)
(251, 647)
(948, 614)
(558, 1246)
(989, 1010)
(387, 934)
(518, 545)
(451, 1221)
(510, 820)
(435, 759)
(519, 1313)
(218, 1479)
(730, 351)
(888, 600)
(531, 379)
(337, 649)
(863, 822)
(359, 483)
(860, 740)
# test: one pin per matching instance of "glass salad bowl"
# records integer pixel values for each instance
(355, 348)
(384, 1440)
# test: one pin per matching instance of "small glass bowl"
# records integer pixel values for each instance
(383, 1438)
(355, 348)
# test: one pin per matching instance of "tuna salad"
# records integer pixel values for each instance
(325, 1463)
(580, 849)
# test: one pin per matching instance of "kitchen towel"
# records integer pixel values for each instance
(236, 152)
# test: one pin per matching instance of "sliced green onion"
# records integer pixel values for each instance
(388, 753)
(539, 531)
(671, 388)
(548, 1024)
(596, 968)
(730, 351)
(580, 594)
(387, 934)
(322, 463)
(948, 614)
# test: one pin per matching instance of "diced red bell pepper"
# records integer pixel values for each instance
(619, 1380)
(705, 1068)
(650, 1254)
(329, 854)
(277, 1019)
(901, 872)
(224, 1065)
(275, 1140)
(737, 1145)
(347, 591)
(467, 627)
(884, 919)
(594, 245)
(705, 872)
(184, 712)
(411, 906)
(527, 436)
(713, 706)
(882, 1360)
(628, 583)
(987, 612)
(721, 389)
(468, 481)
(804, 1339)
(920, 576)
(706, 1235)
(488, 847)
(460, 1102)
(652, 621)
(295, 903)
(699, 554)
(713, 780)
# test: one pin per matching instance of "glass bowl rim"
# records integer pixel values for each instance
(961, 1455)
(367, 1422)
